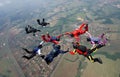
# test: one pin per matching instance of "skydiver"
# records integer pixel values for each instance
(83, 50)
(30, 29)
(100, 41)
(77, 32)
(53, 39)
(43, 23)
(34, 52)
(54, 53)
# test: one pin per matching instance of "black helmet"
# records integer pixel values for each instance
(58, 39)
(40, 46)
(71, 35)
(58, 46)
(75, 45)
(88, 39)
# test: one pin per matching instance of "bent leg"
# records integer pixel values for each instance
(99, 46)
(92, 50)
(27, 31)
(27, 50)
(105, 40)
(90, 58)
(94, 59)
(38, 21)
(29, 57)
(39, 30)
(98, 60)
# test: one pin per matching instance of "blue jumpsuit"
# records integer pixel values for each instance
(54, 53)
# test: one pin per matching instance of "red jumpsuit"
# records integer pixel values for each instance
(78, 31)
(53, 39)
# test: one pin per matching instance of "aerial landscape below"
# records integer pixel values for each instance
(59, 38)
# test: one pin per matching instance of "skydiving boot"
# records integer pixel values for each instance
(26, 57)
(98, 60)
(38, 21)
(99, 46)
(25, 49)
(42, 56)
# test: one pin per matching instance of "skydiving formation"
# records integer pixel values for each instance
(30, 29)
(43, 23)
(96, 42)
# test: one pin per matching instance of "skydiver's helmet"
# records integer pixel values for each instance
(88, 39)
(57, 39)
(58, 46)
(71, 35)
(75, 45)
(86, 24)
(40, 46)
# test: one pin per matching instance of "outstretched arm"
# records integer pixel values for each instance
(59, 36)
(41, 42)
(85, 26)
(82, 25)
(101, 36)
(67, 33)
(93, 45)
(73, 52)
(89, 35)
(32, 28)
(61, 51)
(104, 39)
(38, 30)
